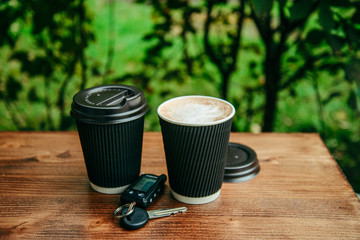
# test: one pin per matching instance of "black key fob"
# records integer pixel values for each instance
(144, 190)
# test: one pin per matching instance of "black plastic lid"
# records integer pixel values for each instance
(241, 163)
(109, 104)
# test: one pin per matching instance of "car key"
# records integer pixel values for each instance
(139, 217)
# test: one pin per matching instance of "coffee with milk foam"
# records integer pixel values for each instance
(195, 109)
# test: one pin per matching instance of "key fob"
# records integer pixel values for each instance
(136, 220)
(144, 190)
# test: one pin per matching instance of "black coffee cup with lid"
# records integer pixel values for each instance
(110, 123)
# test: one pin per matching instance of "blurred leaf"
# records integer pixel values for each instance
(13, 87)
(326, 19)
(262, 7)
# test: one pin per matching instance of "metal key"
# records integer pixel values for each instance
(140, 217)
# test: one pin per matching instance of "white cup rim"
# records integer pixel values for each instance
(196, 124)
(195, 200)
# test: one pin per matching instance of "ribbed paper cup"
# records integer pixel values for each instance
(110, 123)
(112, 154)
(195, 153)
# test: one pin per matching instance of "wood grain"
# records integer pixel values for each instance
(300, 193)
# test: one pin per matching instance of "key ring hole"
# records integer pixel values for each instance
(130, 210)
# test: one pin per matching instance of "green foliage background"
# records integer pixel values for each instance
(51, 50)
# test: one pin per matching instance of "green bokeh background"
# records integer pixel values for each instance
(117, 47)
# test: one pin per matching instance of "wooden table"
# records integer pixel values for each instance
(300, 193)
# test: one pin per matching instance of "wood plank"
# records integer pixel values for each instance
(300, 193)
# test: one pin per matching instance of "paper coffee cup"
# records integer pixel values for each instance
(110, 123)
(196, 131)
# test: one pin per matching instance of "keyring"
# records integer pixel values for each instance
(129, 211)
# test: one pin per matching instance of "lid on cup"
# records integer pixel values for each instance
(241, 163)
(109, 104)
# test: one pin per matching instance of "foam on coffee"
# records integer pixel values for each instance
(196, 110)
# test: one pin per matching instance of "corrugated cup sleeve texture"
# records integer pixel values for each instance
(112, 152)
(195, 157)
